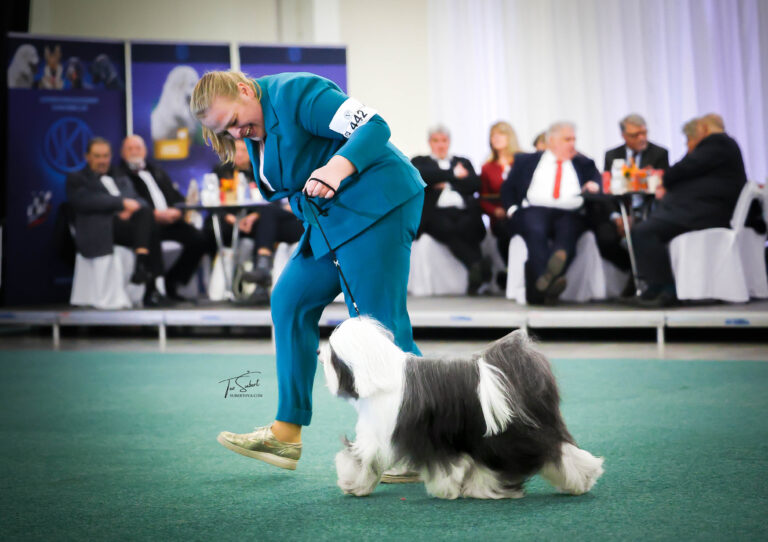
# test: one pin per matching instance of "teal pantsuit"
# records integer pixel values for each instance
(370, 222)
(375, 264)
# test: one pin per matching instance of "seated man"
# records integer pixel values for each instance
(108, 212)
(700, 191)
(155, 187)
(542, 194)
(272, 223)
(636, 148)
(452, 214)
(607, 223)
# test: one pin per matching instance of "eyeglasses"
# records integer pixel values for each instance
(633, 135)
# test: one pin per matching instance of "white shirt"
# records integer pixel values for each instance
(110, 185)
(542, 187)
(442, 163)
(158, 199)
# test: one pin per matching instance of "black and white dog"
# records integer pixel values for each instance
(472, 427)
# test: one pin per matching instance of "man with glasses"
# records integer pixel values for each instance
(607, 224)
(636, 147)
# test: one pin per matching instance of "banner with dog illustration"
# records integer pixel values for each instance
(163, 76)
(328, 62)
(61, 93)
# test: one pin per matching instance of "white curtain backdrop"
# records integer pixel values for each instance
(533, 62)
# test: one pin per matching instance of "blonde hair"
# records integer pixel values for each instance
(513, 147)
(219, 84)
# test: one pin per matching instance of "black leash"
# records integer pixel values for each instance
(333, 252)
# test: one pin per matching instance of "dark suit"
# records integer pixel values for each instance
(462, 230)
(188, 236)
(95, 209)
(544, 229)
(653, 156)
(701, 192)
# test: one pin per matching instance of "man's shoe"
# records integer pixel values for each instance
(258, 298)
(663, 300)
(556, 288)
(141, 273)
(555, 267)
(262, 444)
(261, 273)
(158, 301)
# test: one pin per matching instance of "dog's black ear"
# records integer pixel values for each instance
(346, 378)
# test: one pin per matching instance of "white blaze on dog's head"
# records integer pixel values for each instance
(366, 348)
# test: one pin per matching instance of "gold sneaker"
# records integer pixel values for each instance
(262, 444)
(400, 476)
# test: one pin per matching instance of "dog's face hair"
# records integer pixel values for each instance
(345, 378)
(368, 351)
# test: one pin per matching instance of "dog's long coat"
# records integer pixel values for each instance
(476, 427)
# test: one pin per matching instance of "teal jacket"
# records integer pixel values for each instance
(307, 120)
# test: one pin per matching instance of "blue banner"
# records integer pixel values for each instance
(163, 76)
(61, 93)
(328, 62)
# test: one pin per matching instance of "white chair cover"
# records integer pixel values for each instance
(100, 282)
(434, 270)
(104, 282)
(722, 263)
(588, 277)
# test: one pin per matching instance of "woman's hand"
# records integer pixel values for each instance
(336, 170)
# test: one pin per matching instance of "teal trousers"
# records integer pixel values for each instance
(376, 264)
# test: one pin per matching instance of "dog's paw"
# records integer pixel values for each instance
(353, 477)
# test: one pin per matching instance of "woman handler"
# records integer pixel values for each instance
(331, 156)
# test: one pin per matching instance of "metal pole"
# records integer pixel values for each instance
(625, 220)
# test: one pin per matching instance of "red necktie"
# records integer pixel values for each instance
(558, 177)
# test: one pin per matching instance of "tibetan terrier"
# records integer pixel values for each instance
(476, 426)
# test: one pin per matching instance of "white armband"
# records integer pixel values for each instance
(350, 116)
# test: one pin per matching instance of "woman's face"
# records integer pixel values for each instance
(241, 118)
(499, 140)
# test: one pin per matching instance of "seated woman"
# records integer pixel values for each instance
(504, 146)
(273, 223)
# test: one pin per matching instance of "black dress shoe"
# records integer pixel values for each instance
(262, 271)
(556, 288)
(158, 301)
(654, 297)
(258, 298)
(663, 300)
(141, 273)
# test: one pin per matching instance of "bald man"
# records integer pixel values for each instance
(155, 187)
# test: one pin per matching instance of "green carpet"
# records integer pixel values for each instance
(98, 446)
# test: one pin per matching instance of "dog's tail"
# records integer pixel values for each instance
(576, 471)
